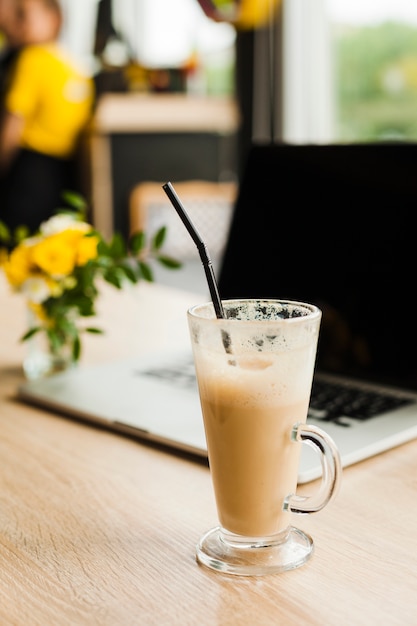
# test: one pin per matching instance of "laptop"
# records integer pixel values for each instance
(327, 224)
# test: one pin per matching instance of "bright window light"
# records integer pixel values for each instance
(164, 33)
(372, 12)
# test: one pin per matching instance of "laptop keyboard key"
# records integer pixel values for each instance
(332, 401)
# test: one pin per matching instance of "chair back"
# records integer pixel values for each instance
(209, 205)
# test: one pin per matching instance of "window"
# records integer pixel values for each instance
(350, 70)
(375, 69)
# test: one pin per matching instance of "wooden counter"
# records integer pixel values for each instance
(99, 530)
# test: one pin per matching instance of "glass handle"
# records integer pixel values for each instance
(331, 466)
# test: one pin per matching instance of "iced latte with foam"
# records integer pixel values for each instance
(250, 398)
(254, 370)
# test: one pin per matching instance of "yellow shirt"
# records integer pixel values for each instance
(53, 96)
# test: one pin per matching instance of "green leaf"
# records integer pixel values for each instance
(76, 349)
(93, 233)
(103, 248)
(117, 247)
(114, 277)
(21, 233)
(137, 242)
(55, 340)
(169, 262)
(75, 200)
(85, 287)
(146, 271)
(129, 271)
(159, 238)
(64, 324)
(82, 302)
(94, 331)
(5, 235)
(30, 333)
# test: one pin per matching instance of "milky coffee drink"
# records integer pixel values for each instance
(251, 397)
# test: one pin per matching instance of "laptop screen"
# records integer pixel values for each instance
(334, 225)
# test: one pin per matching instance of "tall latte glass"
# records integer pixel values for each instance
(254, 370)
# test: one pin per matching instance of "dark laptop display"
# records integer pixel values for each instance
(334, 225)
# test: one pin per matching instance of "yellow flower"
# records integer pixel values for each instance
(54, 255)
(71, 236)
(87, 249)
(18, 267)
(38, 311)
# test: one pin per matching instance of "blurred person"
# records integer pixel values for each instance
(47, 104)
(9, 46)
(6, 23)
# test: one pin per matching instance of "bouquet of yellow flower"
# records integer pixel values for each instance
(57, 270)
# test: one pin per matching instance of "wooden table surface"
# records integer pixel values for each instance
(98, 529)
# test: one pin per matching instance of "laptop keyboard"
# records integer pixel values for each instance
(180, 374)
(333, 402)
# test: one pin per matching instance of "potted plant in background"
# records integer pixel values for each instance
(59, 270)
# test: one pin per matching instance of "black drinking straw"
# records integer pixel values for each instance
(205, 258)
(201, 246)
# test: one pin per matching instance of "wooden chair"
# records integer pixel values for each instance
(209, 205)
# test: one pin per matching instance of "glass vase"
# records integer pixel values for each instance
(40, 360)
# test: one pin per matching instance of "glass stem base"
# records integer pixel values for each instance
(254, 556)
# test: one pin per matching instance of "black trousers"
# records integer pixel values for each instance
(32, 189)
